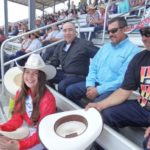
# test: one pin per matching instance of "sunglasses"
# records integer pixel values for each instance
(145, 32)
(114, 30)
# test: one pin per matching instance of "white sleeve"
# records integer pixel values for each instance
(36, 44)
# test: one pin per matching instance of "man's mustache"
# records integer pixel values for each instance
(111, 36)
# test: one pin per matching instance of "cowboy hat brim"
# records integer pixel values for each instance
(13, 80)
(18, 134)
(49, 70)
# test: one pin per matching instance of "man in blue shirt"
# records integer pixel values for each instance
(123, 6)
(107, 69)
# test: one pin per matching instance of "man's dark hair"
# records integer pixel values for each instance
(121, 21)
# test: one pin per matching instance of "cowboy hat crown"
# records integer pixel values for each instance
(36, 62)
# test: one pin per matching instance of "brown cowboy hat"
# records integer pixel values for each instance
(102, 6)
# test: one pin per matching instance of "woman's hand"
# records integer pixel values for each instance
(8, 144)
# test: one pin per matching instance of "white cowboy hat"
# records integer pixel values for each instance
(13, 80)
(13, 77)
(75, 130)
(18, 134)
(36, 62)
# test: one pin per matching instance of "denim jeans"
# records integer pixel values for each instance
(48, 53)
(128, 113)
(77, 91)
(65, 80)
(22, 61)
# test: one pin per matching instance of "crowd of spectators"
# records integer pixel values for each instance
(117, 6)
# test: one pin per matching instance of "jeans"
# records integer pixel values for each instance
(128, 113)
(22, 61)
(65, 80)
(77, 91)
(49, 52)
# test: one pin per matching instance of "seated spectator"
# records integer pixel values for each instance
(117, 110)
(95, 19)
(45, 36)
(113, 8)
(123, 6)
(2, 37)
(72, 6)
(92, 15)
(53, 35)
(39, 24)
(25, 43)
(62, 16)
(134, 3)
(100, 21)
(82, 6)
(73, 14)
(14, 30)
(34, 45)
(24, 29)
(107, 69)
(73, 56)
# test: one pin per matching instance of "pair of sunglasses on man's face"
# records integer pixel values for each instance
(114, 30)
(145, 32)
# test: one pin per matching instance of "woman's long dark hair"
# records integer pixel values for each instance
(20, 101)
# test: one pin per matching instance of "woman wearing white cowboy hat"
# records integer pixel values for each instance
(32, 102)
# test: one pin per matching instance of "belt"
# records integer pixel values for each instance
(144, 102)
(74, 75)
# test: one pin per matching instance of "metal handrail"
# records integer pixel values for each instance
(105, 20)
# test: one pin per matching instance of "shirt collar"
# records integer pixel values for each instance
(74, 41)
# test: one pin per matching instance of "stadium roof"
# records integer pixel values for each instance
(40, 4)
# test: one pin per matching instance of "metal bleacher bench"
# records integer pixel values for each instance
(89, 30)
(12, 47)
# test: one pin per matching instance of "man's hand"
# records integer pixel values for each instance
(98, 106)
(91, 93)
